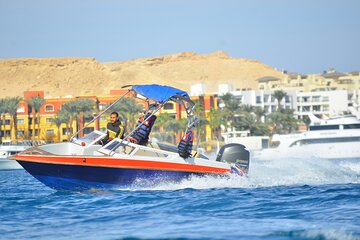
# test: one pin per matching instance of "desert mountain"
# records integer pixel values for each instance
(85, 76)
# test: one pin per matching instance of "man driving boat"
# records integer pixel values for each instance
(114, 128)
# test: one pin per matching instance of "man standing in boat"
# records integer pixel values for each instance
(114, 128)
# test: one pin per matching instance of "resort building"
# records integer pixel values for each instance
(327, 103)
(327, 81)
(45, 127)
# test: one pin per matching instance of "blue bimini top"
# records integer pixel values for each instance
(160, 93)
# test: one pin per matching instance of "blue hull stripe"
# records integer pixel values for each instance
(73, 177)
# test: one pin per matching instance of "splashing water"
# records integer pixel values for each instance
(280, 172)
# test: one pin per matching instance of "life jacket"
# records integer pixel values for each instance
(115, 130)
(186, 144)
(141, 135)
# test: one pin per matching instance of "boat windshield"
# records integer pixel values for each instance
(90, 138)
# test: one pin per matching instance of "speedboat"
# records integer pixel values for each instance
(335, 138)
(83, 163)
(9, 148)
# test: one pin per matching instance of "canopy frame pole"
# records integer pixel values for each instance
(107, 108)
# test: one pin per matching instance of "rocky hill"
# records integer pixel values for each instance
(86, 76)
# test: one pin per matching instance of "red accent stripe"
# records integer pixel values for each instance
(120, 163)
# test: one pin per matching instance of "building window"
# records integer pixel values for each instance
(65, 131)
(21, 109)
(49, 131)
(20, 121)
(88, 130)
(88, 119)
(258, 99)
(316, 99)
(7, 121)
(49, 120)
(49, 108)
(102, 106)
(316, 108)
(36, 132)
(20, 133)
(287, 99)
(306, 109)
(168, 106)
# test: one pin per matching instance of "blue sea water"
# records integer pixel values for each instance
(285, 199)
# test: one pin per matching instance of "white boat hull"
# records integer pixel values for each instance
(7, 164)
(338, 151)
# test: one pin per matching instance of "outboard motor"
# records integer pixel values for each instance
(236, 155)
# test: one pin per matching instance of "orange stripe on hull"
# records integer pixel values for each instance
(120, 163)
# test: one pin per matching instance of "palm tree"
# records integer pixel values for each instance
(162, 120)
(246, 108)
(84, 108)
(12, 107)
(282, 122)
(215, 122)
(226, 97)
(200, 127)
(259, 112)
(174, 127)
(129, 110)
(279, 95)
(60, 118)
(246, 121)
(35, 103)
(2, 116)
(76, 109)
(230, 111)
(69, 109)
(168, 127)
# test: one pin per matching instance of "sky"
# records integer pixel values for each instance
(307, 36)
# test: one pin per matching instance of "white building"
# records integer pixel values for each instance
(328, 102)
(320, 102)
(225, 88)
(197, 89)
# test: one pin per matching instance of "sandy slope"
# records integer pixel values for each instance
(86, 76)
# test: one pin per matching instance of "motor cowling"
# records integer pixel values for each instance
(237, 155)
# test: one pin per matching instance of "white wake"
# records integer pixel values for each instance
(280, 172)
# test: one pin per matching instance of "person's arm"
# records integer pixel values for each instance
(106, 138)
